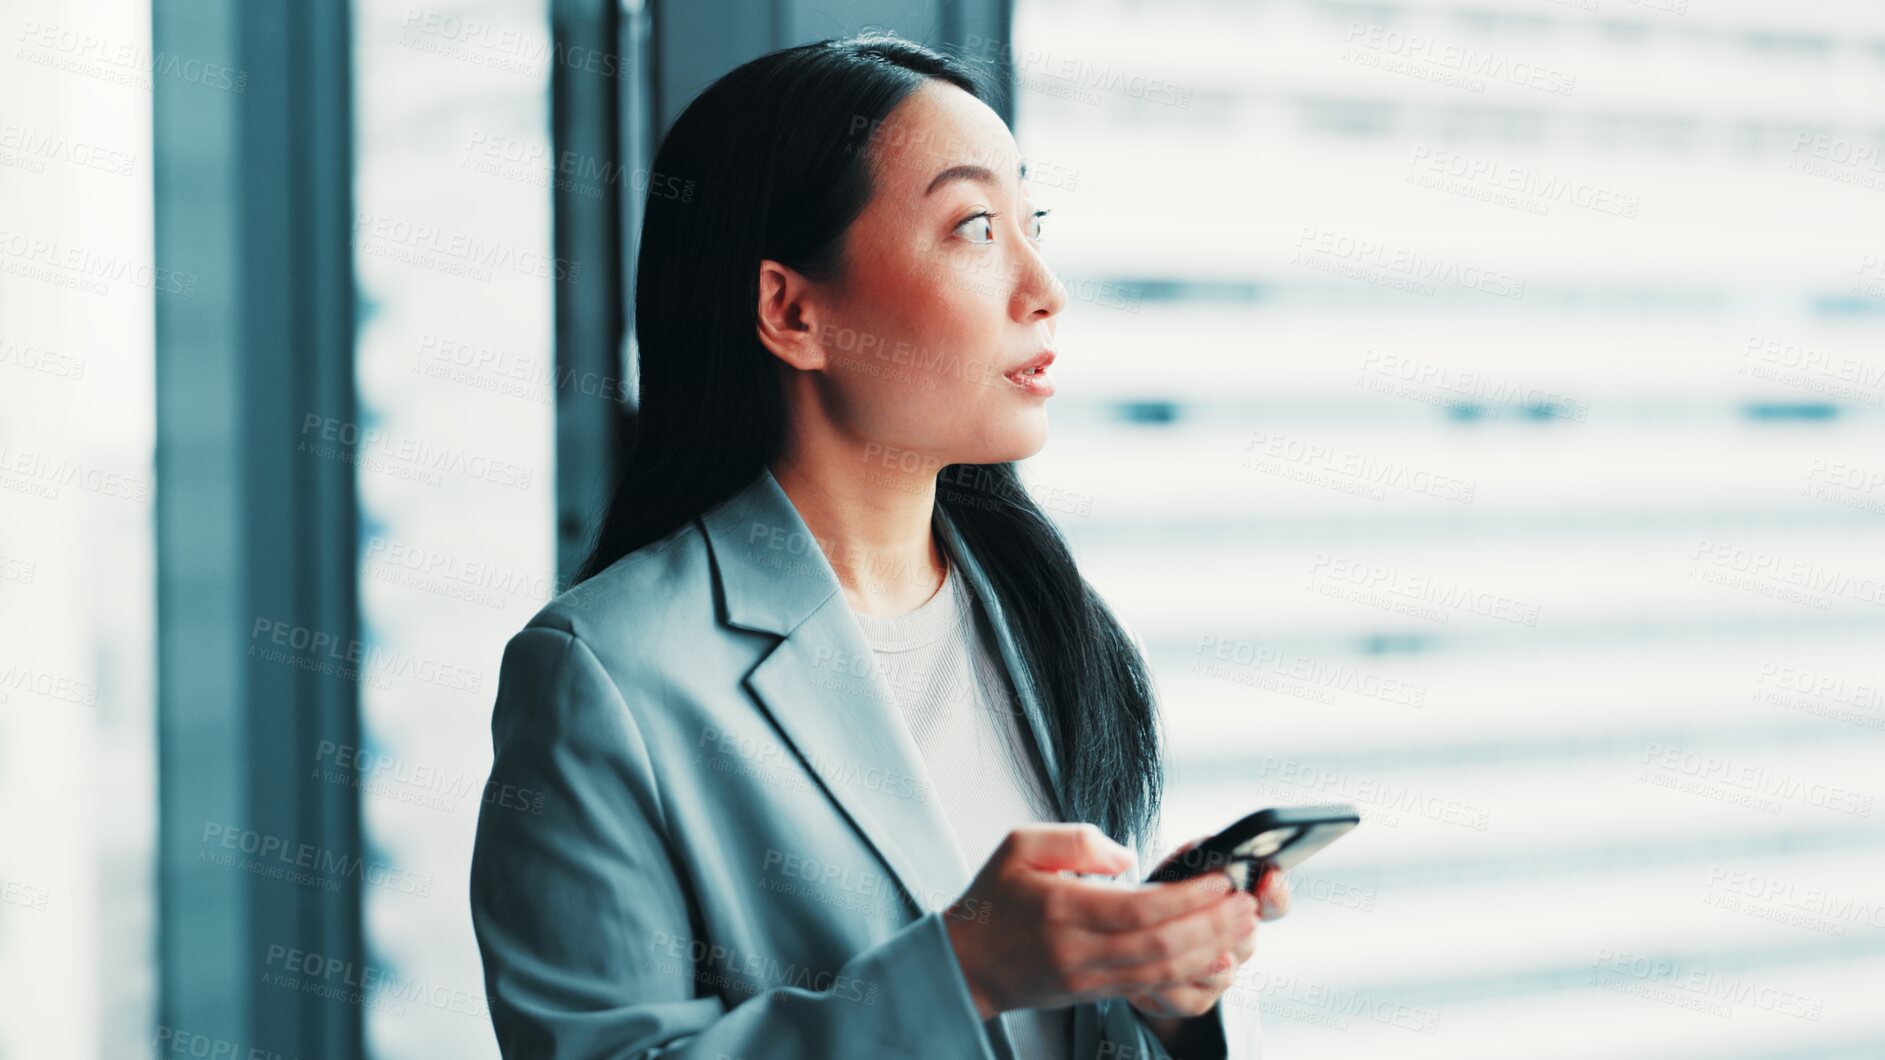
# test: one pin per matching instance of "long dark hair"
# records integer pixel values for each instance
(777, 152)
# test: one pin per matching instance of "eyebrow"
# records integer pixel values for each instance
(979, 174)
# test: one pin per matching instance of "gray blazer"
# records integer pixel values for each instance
(717, 837)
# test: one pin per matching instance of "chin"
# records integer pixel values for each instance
(1022, 441)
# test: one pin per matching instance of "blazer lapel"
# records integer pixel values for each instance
(819, 684)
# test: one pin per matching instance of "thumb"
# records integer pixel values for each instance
(1073, 847)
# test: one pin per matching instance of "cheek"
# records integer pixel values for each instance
(938, 326)
(959, 315)
(973, 282)
(922, 337)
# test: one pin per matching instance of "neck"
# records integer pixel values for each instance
(872, 518)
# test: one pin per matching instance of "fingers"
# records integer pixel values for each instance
(1273, 894)
(1244, 951)
(1213, 928)
(1073, 847)
(1182, 1003)
(1197, 996)
(1173, 955)
(1228, 966)
(1109, 907)
(1178, 970)
(1198, 949)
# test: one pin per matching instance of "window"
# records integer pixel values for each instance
(1531, 503)
(455, 357)
(77, 751)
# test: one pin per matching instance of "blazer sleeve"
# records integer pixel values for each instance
(584, 927)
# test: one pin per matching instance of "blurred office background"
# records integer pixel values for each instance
(1478, 406)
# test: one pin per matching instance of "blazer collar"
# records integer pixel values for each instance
(773, 575)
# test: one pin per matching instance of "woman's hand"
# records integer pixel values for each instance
(1047, 940)
(1166, 1010)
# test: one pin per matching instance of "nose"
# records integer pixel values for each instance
(1038, 294)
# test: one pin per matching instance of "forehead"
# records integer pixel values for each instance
(934, 128)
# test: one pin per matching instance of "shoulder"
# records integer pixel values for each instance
(630, 614)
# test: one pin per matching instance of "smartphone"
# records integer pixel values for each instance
(1281, 836)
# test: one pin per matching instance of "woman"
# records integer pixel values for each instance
(827, 655)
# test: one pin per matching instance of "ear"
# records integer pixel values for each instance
(788, 321)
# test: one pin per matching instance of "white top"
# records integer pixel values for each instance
(958, 703)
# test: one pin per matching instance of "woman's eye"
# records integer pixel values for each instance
(987, 222)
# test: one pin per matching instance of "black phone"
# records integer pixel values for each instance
(1281, 836)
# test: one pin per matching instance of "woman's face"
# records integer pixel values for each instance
(911, 353)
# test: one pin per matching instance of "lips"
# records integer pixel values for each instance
(1032, 366)
(1031, 375)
